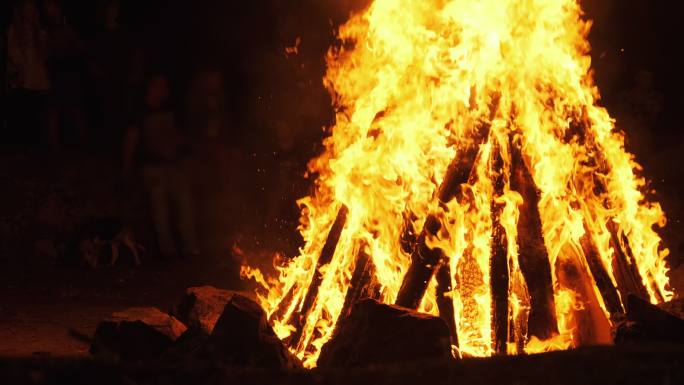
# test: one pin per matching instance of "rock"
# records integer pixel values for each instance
(647, 323)
(201, 307)
(136, 334)
(377, 334)
(674, 307)
(187, 348)
(243, 337)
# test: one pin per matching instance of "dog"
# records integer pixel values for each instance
(100, 235)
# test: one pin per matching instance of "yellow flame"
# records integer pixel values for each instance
(410, 82)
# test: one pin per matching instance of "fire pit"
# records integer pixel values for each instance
(471, 174)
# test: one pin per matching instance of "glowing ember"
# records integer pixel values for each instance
(414, 84)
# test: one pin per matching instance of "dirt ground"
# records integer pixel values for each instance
(44, 304)
(45, 313)
(627, 365)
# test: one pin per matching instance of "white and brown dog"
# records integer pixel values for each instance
(102, 235)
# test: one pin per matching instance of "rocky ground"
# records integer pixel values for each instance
(47, 319)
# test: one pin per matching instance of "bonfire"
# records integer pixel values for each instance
(471, 173)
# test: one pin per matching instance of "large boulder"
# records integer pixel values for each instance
(378, 334)
(647, 323)
(243, 337)
(201, 307)
(674, 307)
(135, 334)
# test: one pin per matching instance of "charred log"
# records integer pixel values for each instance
(326, 256)
(635, 272)
(624, 268)
(284, 303)
(608, 291)
(532, 254)
(499, 279)
(424, 261)
(363, 284)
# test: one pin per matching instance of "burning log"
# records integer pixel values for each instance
(624, 268)
(445, 303)
(499, 279)
(326, 256)
(591, 324)
(282, 305)
(608, 291)
(362, 283)
(518, 322)
(532, 253)
(425, 260)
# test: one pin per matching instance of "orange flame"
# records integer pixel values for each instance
(410, 82)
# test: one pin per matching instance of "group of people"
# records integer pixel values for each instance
(164, 152)
(53, 75)
(62, 89)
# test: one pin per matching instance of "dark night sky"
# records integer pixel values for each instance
(247, 39)
(631, 40)
(629, 37)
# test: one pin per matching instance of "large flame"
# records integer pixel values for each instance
(410, 82)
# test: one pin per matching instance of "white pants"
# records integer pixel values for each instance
(170, 199)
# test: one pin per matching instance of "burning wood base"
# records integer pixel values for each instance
(373, 334)
(538, 318)
(324, 259)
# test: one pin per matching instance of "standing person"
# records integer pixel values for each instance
(27, 74)
(111, 65)
(65, 65)
(208, 119)
(157, 140)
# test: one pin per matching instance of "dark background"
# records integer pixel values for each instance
(628, 37)
(635, 54)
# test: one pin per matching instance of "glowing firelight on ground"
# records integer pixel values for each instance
(411, 83)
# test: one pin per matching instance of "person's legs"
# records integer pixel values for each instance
(35, 112)
(182, 199)
(53, 127)
(21, 119)
(156, 186)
